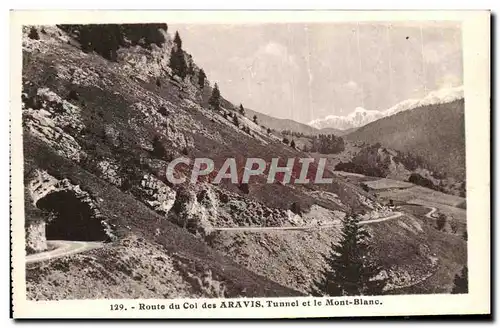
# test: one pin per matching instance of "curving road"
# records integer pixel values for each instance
(431, 212)
(63, 248)
(311, 227)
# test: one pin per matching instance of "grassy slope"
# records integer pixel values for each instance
(436, 133)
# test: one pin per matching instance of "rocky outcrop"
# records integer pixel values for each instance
(42, 184)
(53, 120)
(159, 196)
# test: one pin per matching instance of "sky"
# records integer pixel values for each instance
(308, 71)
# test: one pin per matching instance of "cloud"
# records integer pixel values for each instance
(351, 85)
(276, 51)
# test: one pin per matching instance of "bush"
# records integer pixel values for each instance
(244, 188)
(33, 34)
(296, 208)
(72, 95)
(286, 141)
(421, 181)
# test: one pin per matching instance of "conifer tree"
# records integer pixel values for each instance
(349, 269)
(292, 144)
(255, 119)
(214, 100)
(177, 40)
(461, 282)
(441, 221)
(235, 120)
(242, 110)
(178, 62)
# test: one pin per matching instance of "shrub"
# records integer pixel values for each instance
(33, 34)
(244, 188)
(296, 208)
(72, 95)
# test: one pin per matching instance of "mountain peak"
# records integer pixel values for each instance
(361, 116)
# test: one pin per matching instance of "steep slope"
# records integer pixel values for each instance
(101, 132)
(435, 133)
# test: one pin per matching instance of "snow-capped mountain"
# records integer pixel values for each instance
(361, 116)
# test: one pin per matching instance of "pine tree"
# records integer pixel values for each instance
(177, 40)
(255, 119)
(201, 79)
(214, 100)
(268, 131)
(235, 120)
(242, 110)
(178, 62)
(461, 282)
(441, 221)
(292, 144)
(349, 269)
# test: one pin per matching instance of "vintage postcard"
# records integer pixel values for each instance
(233, 164)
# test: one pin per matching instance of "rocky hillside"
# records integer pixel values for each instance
(101, 124)
(374, 160)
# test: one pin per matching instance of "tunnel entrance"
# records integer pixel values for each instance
(71, 218)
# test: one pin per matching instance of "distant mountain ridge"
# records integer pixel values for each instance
(360, 116)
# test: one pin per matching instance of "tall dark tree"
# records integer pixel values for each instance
(292, 144)
(441, 221)
(242, 110)
(350, 269)
(177, 40)
(255, 119)
(178, 62)
(461, 282)
(214, 100)
(201, 79)
(235, 120)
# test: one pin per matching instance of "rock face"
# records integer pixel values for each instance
(159, 196)
(35, 237)
(50, 118)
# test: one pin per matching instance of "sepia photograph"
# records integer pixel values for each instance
(258, 164)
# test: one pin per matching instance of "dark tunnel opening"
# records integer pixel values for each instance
(71, 219)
